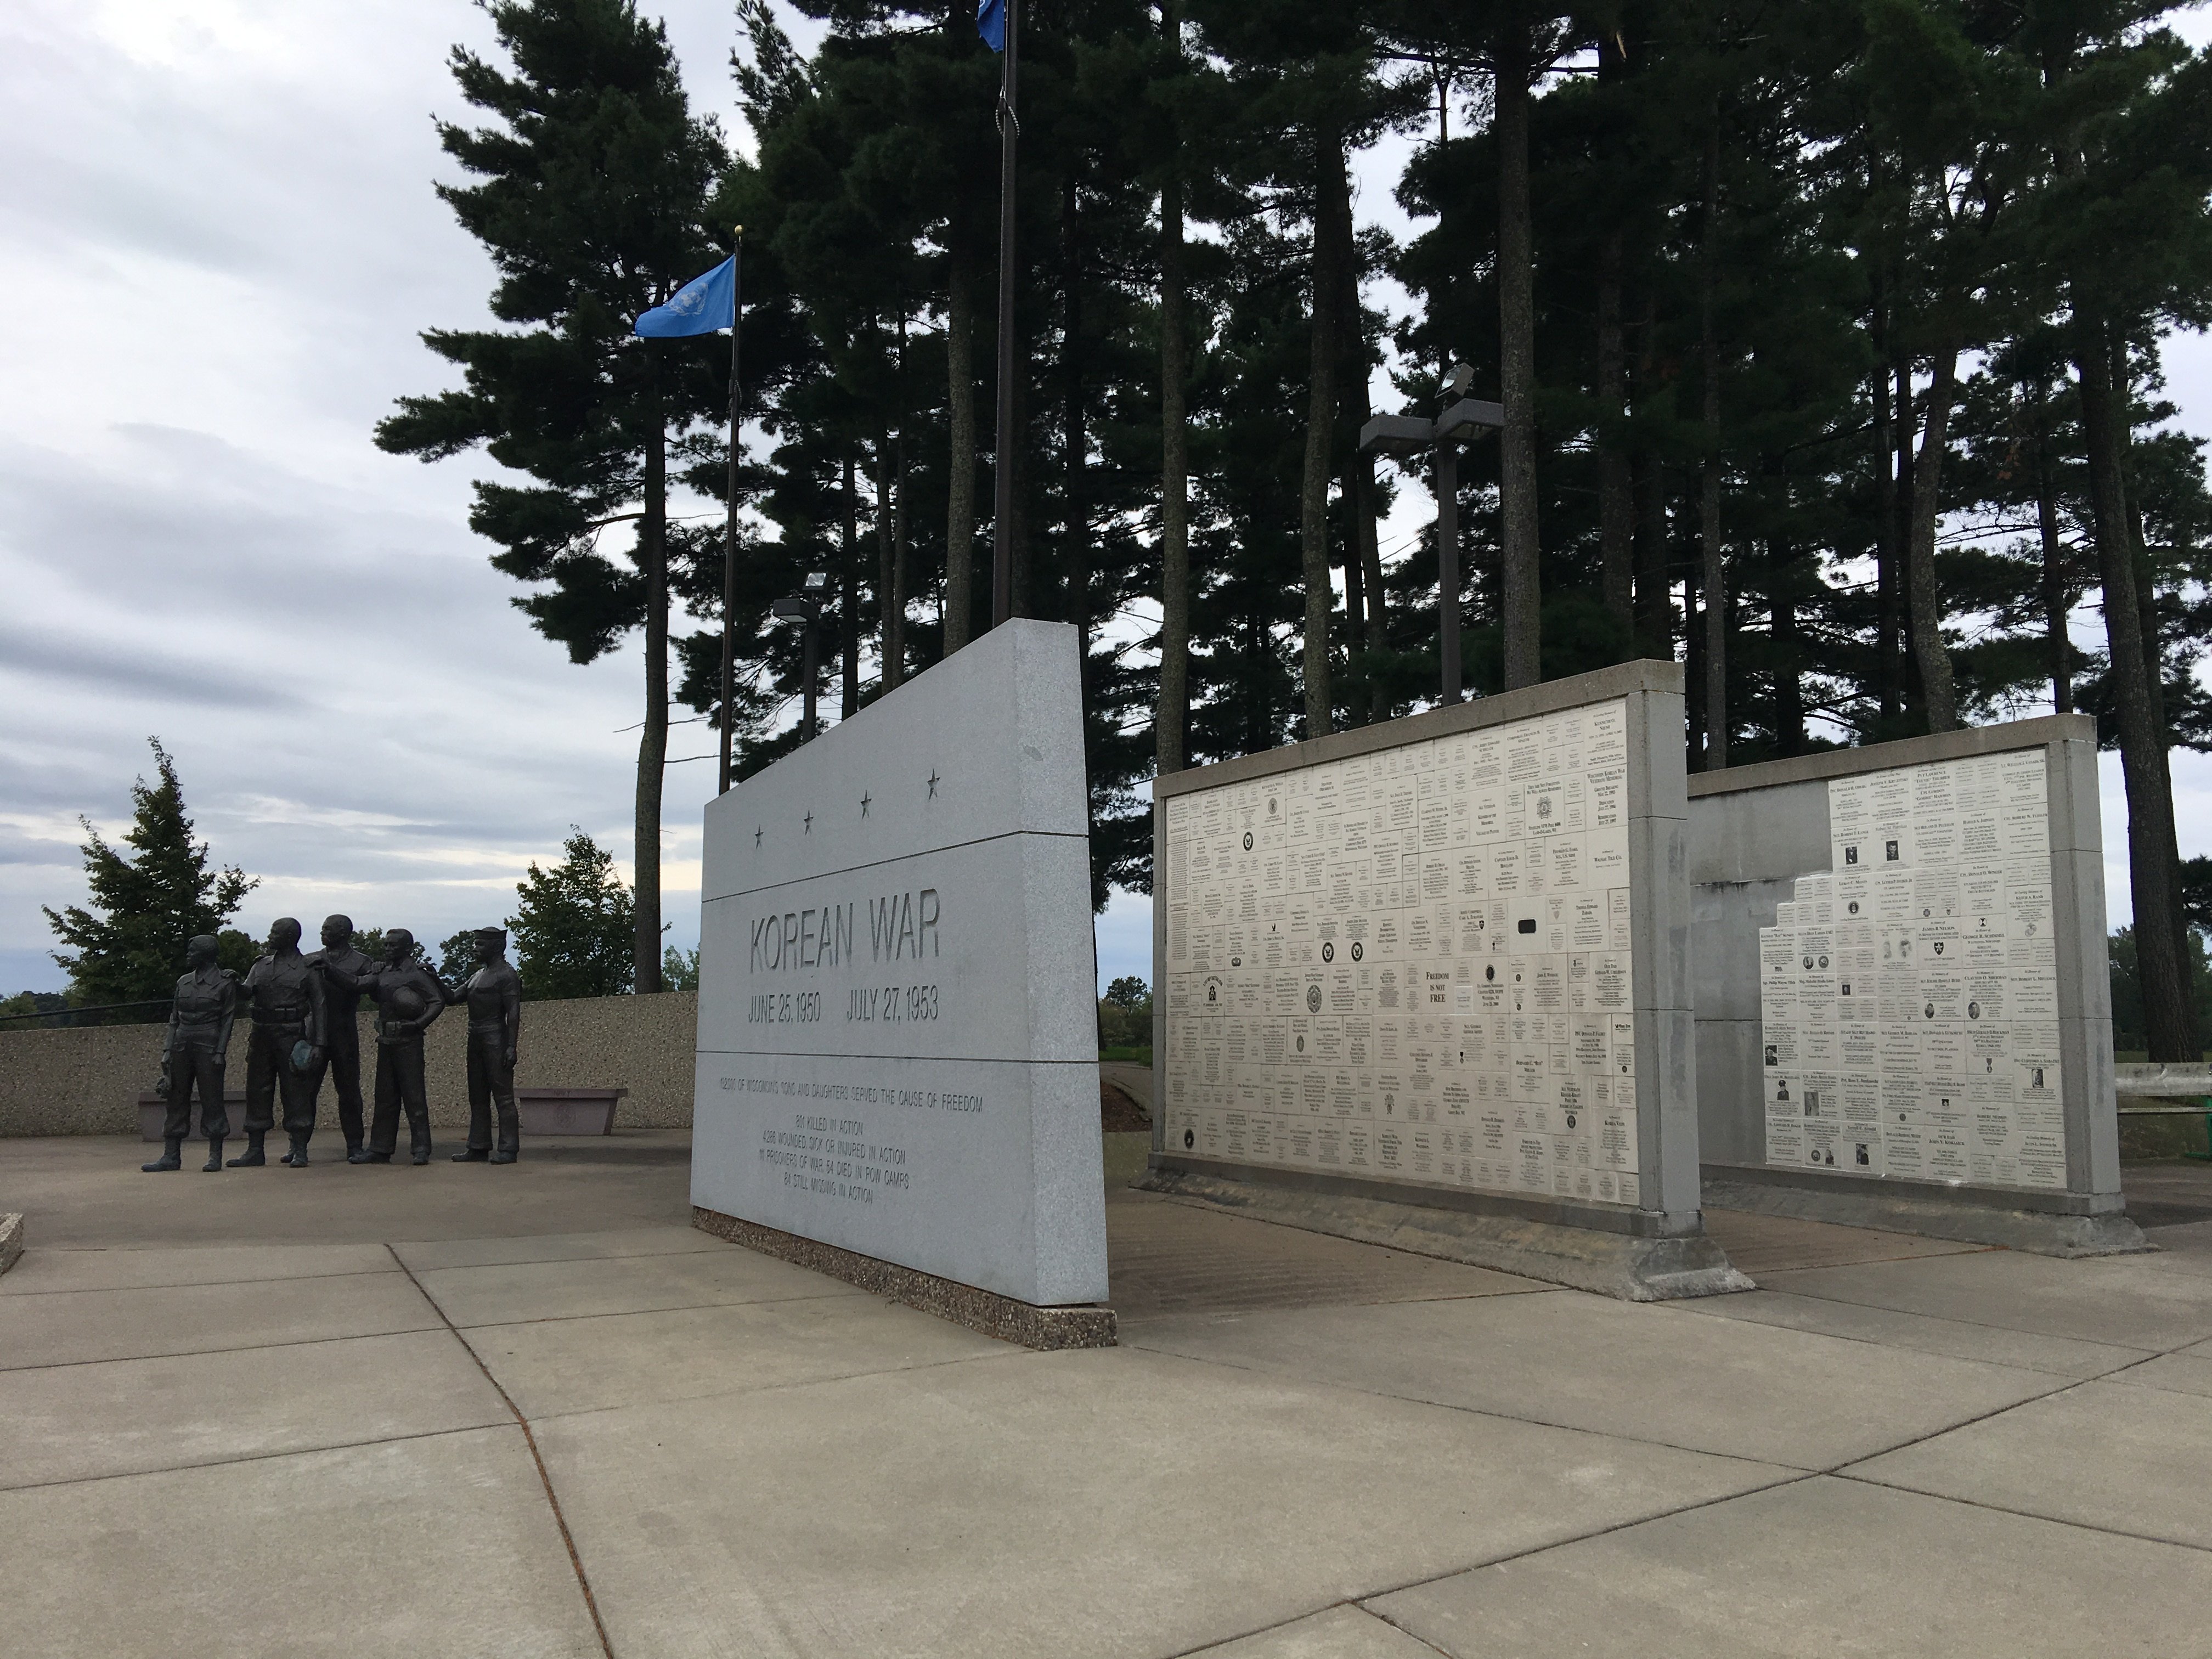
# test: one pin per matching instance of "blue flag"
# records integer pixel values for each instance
(700, 307)
(991, 23)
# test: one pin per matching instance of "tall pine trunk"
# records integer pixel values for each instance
(1693, 662)
(1516, 322)
(1939, 692)
(1715, 574)
(887, 620)
(960, 483)
(652, 740)
(1171, 719)
(899, 559)
(849, 701)
(2152, 857)
(2055, 595)
(1364, 613)
(1076, 552)
(1330, 186)
(1616, 506)
(1655, 627)
(1789, 651)
(1904, 666)
(1885, 545)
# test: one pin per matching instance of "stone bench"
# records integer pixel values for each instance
(153, 1111)
(567, 1111)
(2157, 1090)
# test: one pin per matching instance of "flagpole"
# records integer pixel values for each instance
(730, 524)
(1002, 537)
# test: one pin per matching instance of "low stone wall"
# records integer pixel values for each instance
(87, 1081)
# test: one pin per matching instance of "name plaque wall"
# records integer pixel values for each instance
(1413, 965)
(1910, 998)
(897, 1043)
(1903, 1008)
(1427, 982)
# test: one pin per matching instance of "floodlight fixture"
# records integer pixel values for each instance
(1463, 418)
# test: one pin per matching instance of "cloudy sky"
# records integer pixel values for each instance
(217, 244)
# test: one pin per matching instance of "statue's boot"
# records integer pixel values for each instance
(473, 1155)
(370, 1156)
(172, 1156)
(297, 1157)
(214, 1155)
(418, 1139)
(252, 1158)
(355, 1152)
(504, 1155)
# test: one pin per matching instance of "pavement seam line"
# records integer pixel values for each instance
(1361, 1601)
(677, 1307)
(254, 1457)
(2144, 1355)
(193, 1284)
(1493, 1412)
(1979, 1324)
(2121, 1375)
(552, 1261)
(802, 1382)
(1300, 1618)
(1794, 1478)
(1838, 1469)
(529, 1439)
(2025, 1515)
(194, 1353)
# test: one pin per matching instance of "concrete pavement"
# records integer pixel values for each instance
(463, 1411)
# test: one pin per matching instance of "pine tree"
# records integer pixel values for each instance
(595, 184)
(573, 925)
(130, 946)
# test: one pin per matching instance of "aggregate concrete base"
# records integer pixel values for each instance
(2039, 1231)
(11, 1240)
(987, 1311)
(1618, 1265)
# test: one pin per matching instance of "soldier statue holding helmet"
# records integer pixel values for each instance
(408, 999)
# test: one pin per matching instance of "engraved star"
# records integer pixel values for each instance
(809, 822)
(865, 800)
(932, 783)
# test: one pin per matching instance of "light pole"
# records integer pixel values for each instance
(1462, 418)
(805, 608)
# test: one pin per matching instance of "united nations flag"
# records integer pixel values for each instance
(700, 307)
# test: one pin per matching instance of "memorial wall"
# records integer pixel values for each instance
(1903, 1001)
(1413, 965)
(897, 1048)
(1909, 999)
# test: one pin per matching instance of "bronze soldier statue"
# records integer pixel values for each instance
(407, 999)
(285, 997)
(341, 1056)
(494, 995)
(198, 1043)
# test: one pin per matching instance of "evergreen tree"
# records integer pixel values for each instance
(1792, 309)
(147, 904)
(595, 184)
(573, 925)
